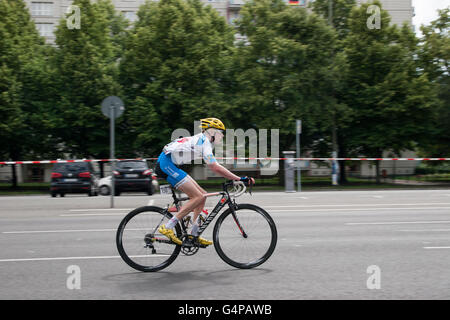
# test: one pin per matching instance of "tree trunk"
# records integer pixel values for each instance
(14, 176)
(377, 166)
(342, 154)
(102, 169)
(342, 165)
(343, 173)
(15, 155)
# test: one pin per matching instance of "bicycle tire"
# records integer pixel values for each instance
(219, 243)
(120, 245)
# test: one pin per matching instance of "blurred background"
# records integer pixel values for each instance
(365, 82)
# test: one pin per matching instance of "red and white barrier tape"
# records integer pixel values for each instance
(229, 158)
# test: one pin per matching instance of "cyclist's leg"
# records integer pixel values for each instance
(196, 198)
(197, 210)
(179, 179)
(201, 206)
(183, 182)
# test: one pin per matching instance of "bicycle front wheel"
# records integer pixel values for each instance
(140, 244)
(245, 237)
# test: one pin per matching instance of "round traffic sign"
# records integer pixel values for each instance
(112, 106)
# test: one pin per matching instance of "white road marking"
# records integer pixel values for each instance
(150, 202)
(276, 211)
(374, 209)
(361, 205)
(80, 258)
(67, 231)
(364, 209)
(425, 230)
(93, 210)
(436, 247)
(142, 229)
(57, 231)
(93, 214)
(395, 222)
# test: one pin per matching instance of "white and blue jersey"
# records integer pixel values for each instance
(187, 149)
(183, 151)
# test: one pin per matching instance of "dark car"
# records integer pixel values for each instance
(73, 178)
(133, 175)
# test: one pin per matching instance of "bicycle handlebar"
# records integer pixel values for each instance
(239, 186)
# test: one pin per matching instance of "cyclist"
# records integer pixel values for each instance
(182, 151)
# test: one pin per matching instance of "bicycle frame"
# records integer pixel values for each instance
(224, 200)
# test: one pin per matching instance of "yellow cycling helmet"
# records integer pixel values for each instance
(211, 123)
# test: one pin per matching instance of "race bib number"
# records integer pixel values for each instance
(165, 189)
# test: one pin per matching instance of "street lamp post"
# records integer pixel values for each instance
(297, 140)
(334, 164)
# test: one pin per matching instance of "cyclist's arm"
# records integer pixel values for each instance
(224, 172)
(212, 163)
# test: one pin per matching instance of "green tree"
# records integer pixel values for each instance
(391, 100)
(173, 70)
(24, 72)
(86, 63)
(284, 70)
(434, 56)
(339, 14)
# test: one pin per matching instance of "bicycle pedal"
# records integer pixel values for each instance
(198, 244)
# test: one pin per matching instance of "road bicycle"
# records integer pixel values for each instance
(244, 236)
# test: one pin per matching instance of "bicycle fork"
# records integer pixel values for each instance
(241, 229)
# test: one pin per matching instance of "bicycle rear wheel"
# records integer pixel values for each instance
(139, 243)
(245, 238)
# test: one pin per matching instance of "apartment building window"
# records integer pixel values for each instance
(45, 29)
(130, 16)
(42, 8)
(233, 17)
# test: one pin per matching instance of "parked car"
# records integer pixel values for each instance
(130, 175)
(73, 177)
(104, 185)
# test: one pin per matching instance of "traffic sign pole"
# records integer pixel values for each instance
(297, 138)
(112, 156)
(112, 107)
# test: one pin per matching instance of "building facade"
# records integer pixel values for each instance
(47, 13)
(400, 10)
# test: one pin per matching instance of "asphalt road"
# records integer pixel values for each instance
(332, 245)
